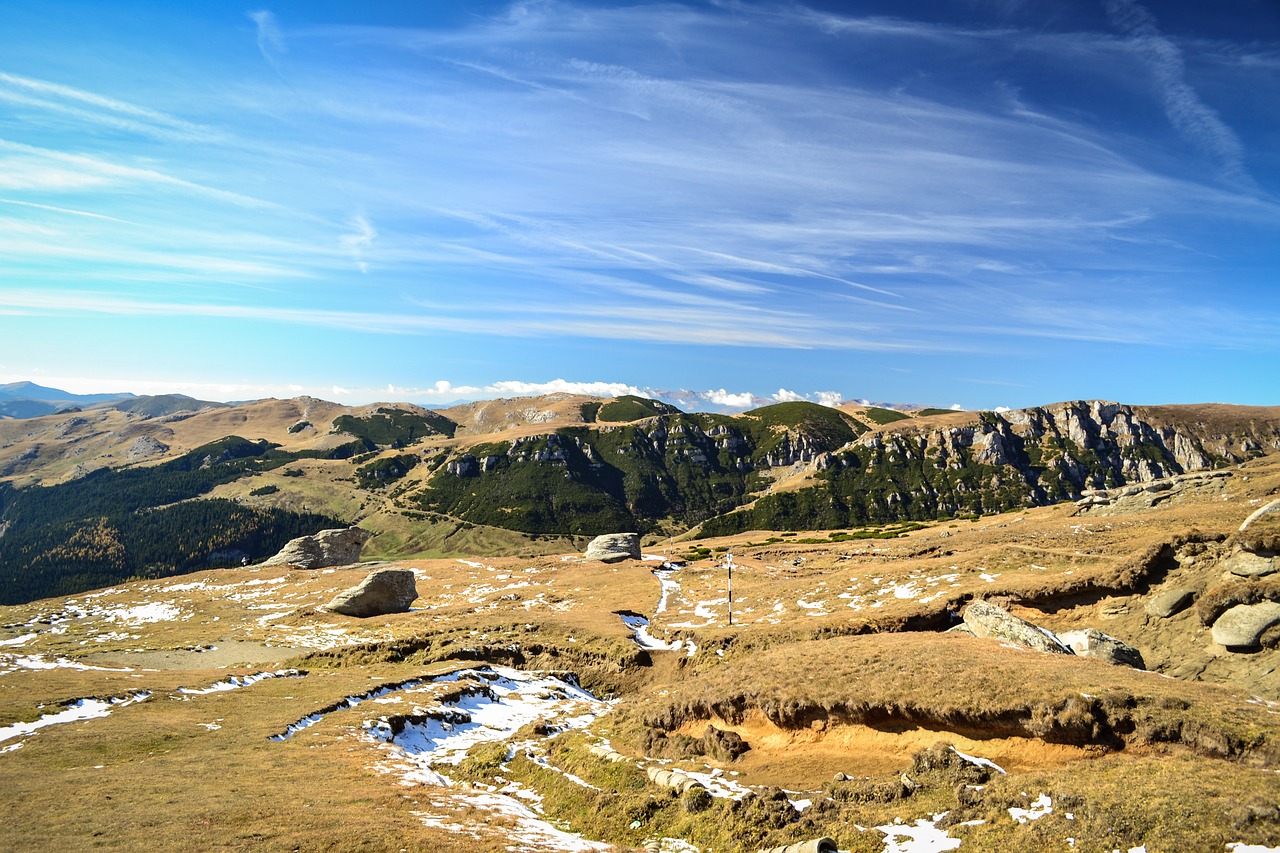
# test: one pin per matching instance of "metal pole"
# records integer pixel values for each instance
(730, 588)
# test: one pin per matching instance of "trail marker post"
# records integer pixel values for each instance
(729, 564)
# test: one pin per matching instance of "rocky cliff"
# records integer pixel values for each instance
(1001, 461)
(590, 480)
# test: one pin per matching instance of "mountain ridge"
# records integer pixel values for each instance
(503, 476)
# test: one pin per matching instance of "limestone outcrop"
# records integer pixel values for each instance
(987, 620)
(382, 591)
(338, 547)
(1092, 643)
(1243, 625)
(1248, 564)
(145, 446)
(614, 548)
(1257, 544)
(676, 779)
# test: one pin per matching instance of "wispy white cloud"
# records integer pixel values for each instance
(66, 210)
(1194, 119)
(54, 170)
(270, 40)
(96, 109)
(650, 176)
(359, 240)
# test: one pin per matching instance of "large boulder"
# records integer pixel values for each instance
(1260, 532)
(614, 548)
(1092, 643)
(339, 547)
(1170, 602)
(1242, 625)
(382, 591)
(1247, 564)
(987, 620)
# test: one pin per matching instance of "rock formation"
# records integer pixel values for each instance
(1243, 625)
(145, 446)
(987, 620)
(1170, 602)
(340, 547)
(382, 591)
(676, 779)
(1257, 544)
(614, 548)
(1092, 643)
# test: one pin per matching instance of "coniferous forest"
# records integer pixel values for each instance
(112, 525)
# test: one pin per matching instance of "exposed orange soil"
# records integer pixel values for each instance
(808, 757)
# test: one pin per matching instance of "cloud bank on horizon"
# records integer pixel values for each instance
(997, 203)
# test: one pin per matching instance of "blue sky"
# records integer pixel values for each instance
(977, 202)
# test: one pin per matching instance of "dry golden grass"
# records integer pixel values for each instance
(1136, 757)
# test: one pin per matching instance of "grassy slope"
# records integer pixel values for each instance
(802, 670)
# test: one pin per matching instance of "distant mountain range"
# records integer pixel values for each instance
(149, 486)
(29, 400)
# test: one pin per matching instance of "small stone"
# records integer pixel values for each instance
(1113, 609)
(1242, 625)
(1169, 602)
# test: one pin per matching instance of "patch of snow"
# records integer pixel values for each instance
(235, 682)
(704, 610)
(921, 837)
(528, 828)
(1241, 847)
(19, 641)
(670, 845)
(349, 702)
(988, 578)
(112, 636)
(981, 762)
(905, 590)
(142, 614)
(505, 701)
(183, 587)
(1041, 807)
(717, 785)
(512, 699)
(668, 586)
(38, 662)
(80, 709)
(640, 630)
